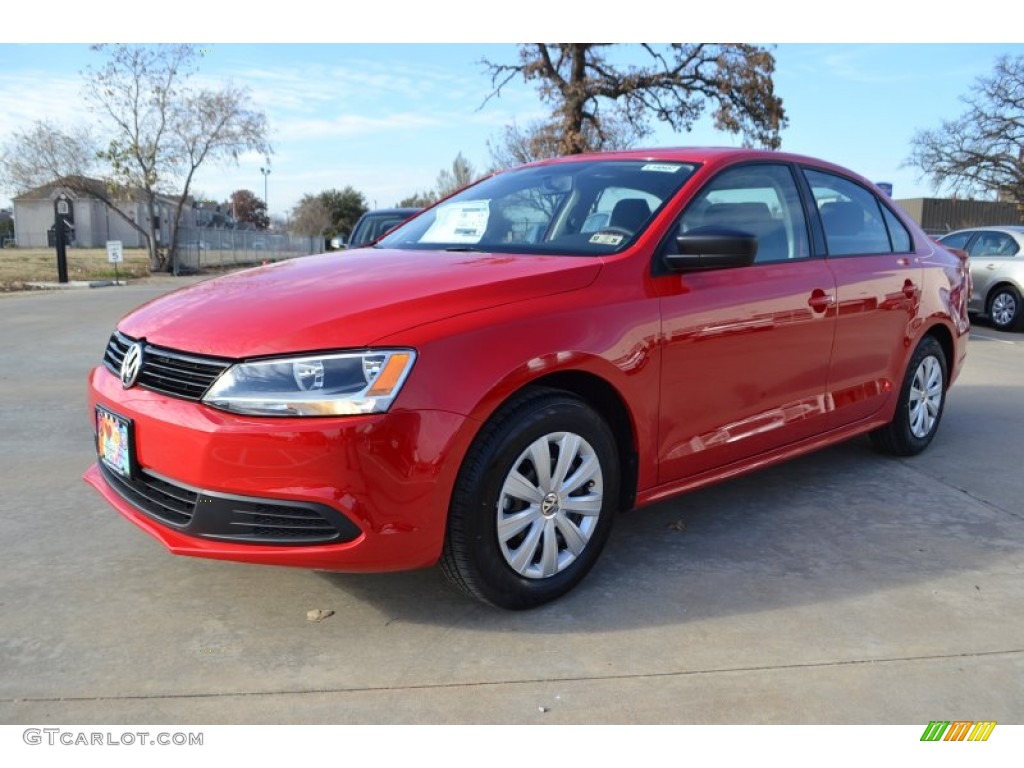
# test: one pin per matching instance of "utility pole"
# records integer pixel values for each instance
(266, 172)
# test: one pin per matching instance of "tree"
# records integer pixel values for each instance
(332, 212)
(417, 200)
(585, 89)
(6, 224)
(248, 209)
(540, 140)
(983, 149)
(346, 206)
(161, 130)
(310, 216)
(450, 181)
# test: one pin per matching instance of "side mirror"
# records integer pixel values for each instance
(712, 248)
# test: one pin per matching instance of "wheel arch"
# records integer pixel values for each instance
(604, 398)
(944, 336)
(598, 393)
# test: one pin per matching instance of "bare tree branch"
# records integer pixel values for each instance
(982, 151)
(587, 91)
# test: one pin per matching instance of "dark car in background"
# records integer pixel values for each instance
(997, 271)
(373, 224)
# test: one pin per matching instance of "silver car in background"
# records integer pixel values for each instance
(997, 271)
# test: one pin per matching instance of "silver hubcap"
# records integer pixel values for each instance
(1004, 307)
(549, 505)
(925, 397)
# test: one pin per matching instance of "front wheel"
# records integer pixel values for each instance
(921, 400)
(533, 503)
(1005, 309)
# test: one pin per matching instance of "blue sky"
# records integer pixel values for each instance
(385, 118)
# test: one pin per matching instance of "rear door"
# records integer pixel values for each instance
(878, 292)
(992, 253)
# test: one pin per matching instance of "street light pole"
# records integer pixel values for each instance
(266, 172)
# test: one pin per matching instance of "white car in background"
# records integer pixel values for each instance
(997, 271)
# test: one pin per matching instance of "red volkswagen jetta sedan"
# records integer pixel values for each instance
(494, 380)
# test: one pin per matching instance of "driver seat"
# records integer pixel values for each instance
(630, 214)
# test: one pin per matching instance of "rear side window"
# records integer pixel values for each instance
(898, 235)
(959, 240)
(852, 217)
(994, 244)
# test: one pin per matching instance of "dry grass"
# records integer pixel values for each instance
(23, 265)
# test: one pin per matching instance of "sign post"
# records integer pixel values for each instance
(61, 221)
(115, 255)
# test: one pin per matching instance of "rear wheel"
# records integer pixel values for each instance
(1005, 309)
(533, 503)
(921, 400)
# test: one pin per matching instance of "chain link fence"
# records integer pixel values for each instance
(204, 247)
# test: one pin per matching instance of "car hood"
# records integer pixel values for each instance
(336, 301)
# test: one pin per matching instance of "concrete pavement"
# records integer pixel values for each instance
(844, 587)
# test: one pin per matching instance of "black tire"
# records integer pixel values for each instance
(1005, 309)
(922, 398)
(550, 540)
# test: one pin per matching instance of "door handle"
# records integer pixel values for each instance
(820, 301)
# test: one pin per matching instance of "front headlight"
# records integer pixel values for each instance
(313, 385)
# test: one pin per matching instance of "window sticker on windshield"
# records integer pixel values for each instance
(661, 168)
(463, 222)
(605, 239)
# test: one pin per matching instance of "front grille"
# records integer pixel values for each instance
(241, 519)
(167, 371)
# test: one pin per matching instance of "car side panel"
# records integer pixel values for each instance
(878, 311)
(745, 362)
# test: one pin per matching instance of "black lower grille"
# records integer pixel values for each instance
(168, 371)
(240, 519)
(163, 501)
(281, 522)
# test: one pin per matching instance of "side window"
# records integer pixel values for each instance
(850, 215)
(761, 200)
(959, 240)
(898, 235)
(994, 244)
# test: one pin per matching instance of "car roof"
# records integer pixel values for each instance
(392, 212)
(712, 157)
(1016, 229)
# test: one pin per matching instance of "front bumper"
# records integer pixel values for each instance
(358, 493)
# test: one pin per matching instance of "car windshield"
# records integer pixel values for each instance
(586, 208)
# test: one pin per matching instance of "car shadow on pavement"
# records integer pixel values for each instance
(831, 526)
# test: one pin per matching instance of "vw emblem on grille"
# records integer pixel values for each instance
(131, 365)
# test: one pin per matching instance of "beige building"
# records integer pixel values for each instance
(93, 222)
(939, 215)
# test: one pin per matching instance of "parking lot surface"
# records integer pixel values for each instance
(844, 587)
